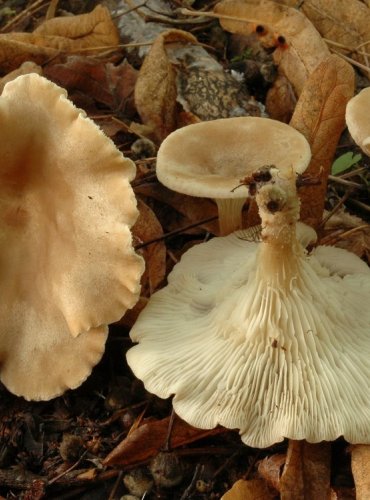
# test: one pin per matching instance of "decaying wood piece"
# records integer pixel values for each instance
(319, 116)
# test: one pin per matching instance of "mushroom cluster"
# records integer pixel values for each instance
(217, 153)
(67, 264)
(264, 337)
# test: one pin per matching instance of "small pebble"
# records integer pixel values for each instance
(137, 481)
(167, 470)
(71, 448)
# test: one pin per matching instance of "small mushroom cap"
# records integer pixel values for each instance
(66, 258)
(209, 159)
(245, 353)
(358, 119)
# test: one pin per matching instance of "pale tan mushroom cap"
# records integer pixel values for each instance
(241, 351)
(210, 158)
(358, 119)
(66, 258)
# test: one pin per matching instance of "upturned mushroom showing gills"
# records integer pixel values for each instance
(208, 159)
(67, 264)
(263, 336)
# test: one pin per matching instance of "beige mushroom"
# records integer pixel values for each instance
(209, 159)
(67, 263)
(358, 119)
(263, 336)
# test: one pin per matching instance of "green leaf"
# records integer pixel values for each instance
(345, 162)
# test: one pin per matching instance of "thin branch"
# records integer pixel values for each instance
(175, 231)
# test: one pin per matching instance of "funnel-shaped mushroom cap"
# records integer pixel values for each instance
(261, 336)
(208, 159)
(358, 119)
(67, 265)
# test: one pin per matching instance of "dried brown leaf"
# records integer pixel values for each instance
(147, 228)
(361, 470)
(106, 83)
(280, 100)
(304, 48)
(306, 473)
(148, 439)
(254, 489)
(345, 22)
(155, 91)
(64, 34)
(271, 468)
(319, 116)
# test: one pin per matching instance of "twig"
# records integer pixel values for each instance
(350, 60)
(175, 231)
(361, 205)
(344, 182)
(192, 484)
(74, 466)
(336, 208)
(188, 12)
(116, 485)
(30, 10)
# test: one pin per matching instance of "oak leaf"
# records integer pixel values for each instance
(320, 116)
(304, 48)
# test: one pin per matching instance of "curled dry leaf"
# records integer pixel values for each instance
(146, 228)
(345, 22)
(307, 471)
(361, 470)
(254, 489)
(155, 90)
(304, 48)
(319, 116)
(147, 440)
(63, 34)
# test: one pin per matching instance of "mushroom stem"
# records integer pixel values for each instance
(229, 214)
(280, 250)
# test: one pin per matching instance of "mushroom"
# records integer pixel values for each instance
(67, 263)
(358, 120)
(209, 159)
(262, 336)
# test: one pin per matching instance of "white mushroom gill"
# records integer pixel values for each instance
(262, 336)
